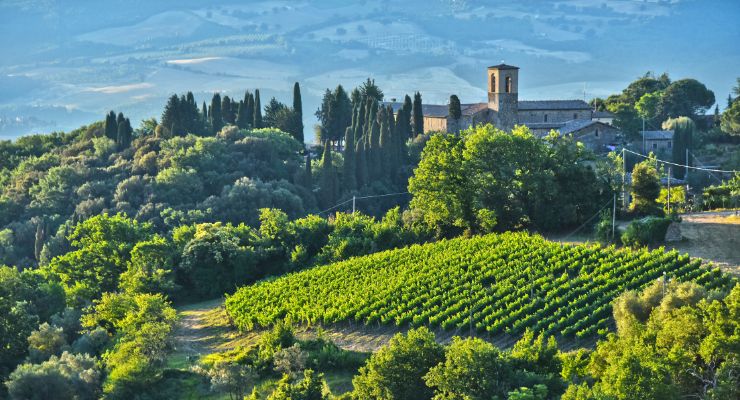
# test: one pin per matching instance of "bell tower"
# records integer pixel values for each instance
(503, 95)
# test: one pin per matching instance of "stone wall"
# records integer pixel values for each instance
(535, 116)
(435, 124)
(597, 142)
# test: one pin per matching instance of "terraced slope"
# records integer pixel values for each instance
(506, 283)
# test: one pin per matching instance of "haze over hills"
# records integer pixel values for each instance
(65, 63)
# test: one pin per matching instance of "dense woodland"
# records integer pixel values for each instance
(104, 227)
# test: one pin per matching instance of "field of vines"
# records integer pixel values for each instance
(507, 283)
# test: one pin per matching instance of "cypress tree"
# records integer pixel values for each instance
(241, 116)
(215, 114)
(418, 115)
(683, 132)
(328, 179)
(349, 174)
(361, 163)
(170, 116)
(121, 118)
(249, 105)
(375, 155)
(257, 110)
(385, 146)
(124, 134)
(204, 113)
(111, 126)
(191, 99)
(407, 108)
(226, 111)
(455, 110)
(298, 109)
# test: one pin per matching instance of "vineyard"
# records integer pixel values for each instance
(506, 283)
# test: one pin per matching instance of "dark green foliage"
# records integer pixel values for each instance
(298, 110)
(111, 126)
(102, 249)
(454, 108)
(328, 183)
(468, 182)
(215, 260)
(397, 371)
(646, 231)
(362, 166)
(215, 114)
(724, 195)
(257, 120)
(472, 369)
(124, 135)
(271, 110)
(349, 174)
(68, 377)
(418, 115)
(227, 112)
(242, 119)
(335, 114)
(645, 188)
(685, 97)
(683, 139)
(369, 90)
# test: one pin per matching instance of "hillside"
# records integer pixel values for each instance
(507, 283)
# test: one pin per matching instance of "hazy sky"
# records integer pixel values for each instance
(65, 63)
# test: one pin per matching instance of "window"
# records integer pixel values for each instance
(508, 84)
(669, 144)
(545, 117)
(493, 83)
(597, 133)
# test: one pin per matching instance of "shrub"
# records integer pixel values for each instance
(646, 231)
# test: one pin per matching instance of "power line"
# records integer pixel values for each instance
(682, 165)
(588, 220)
(360, 198)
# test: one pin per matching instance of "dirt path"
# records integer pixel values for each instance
(204, 328)
(712, 236)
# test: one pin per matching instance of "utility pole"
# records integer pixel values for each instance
(353, 204)
(624, 181)
(614, 214)
(669, 190)
(686, 168)
(643, 136)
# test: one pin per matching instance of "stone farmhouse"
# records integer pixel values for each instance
(504, 110)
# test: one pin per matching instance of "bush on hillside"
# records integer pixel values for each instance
(646, 231)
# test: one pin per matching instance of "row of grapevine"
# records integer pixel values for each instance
(502, 283)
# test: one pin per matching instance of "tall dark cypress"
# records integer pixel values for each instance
(361, 163)
(170, 116)
(418, 115)
(407, 108)
(298, 109)
(111, 126)
(226, 111)
(257, 110)
(385, 146)
(241, 116)
(249, 106)
(204, 113)
(375, 155)
(349, 174)
(328, 178)
(190, 99)
(215, 114)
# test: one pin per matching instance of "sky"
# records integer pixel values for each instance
(67, 62)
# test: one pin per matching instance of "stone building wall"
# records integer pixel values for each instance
(538, 116)
(435, 124)
(597, 137)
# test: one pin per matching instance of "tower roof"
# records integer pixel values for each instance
(503, 66)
